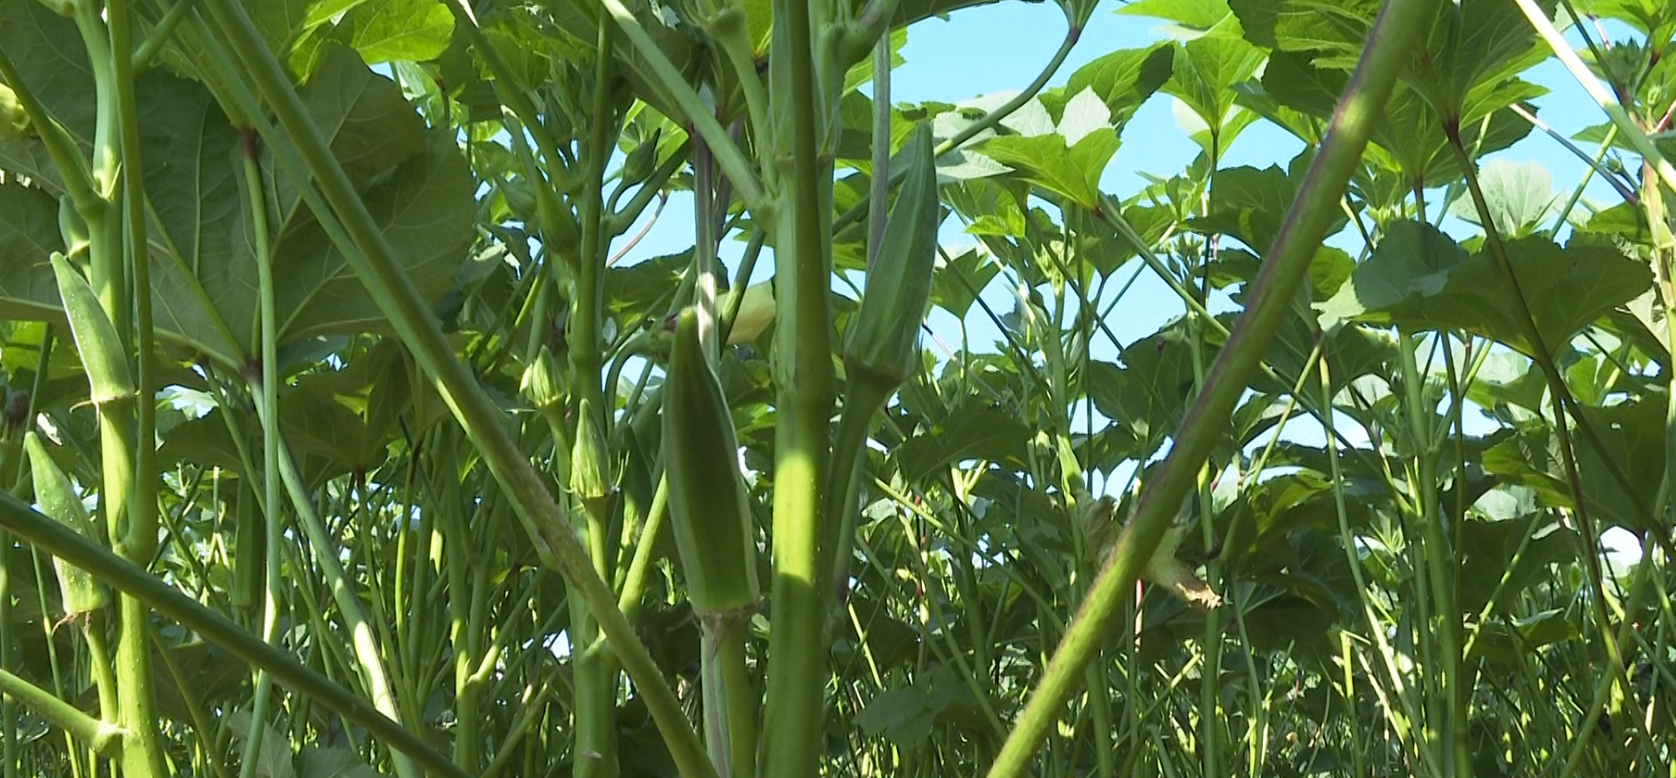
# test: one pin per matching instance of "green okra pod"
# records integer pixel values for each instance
(708, 506)
(882, 347)
(95, 335)
(58, 499)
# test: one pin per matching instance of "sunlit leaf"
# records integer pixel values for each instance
(1046, 161)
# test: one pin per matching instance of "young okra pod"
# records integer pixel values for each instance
(95, 335)
(708, 506)
(58, 499)
(883, 343)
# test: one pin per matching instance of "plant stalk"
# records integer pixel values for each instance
(1390, 41)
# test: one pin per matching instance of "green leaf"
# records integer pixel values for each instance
(1646, 16)
(1411, 139)
(1491, 556)
(633, 292)
(385, 30)
(1420, 278)
(968, 432)
(1633, 433)
(1250, 204)
(279, 22)
(1413, 259)
(1123, 79)
(338, 762)
(1084, 114)
(862, 72)
(28, 235)
(1333, 33)
(274, 758)
(1205, 72)
(1508, 643)
(1149, 394)
(1046, 161)
(988, 206)
(424, 206)
(1478, 45)
(956, 285)
(51, 60)
(1194, 16)
(904, 715)
(1520, 197)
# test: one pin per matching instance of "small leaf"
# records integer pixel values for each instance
(1123, 79)
(953, 285)
(1205, 72)
(1199, 16)
(903, 715)
(1084, 114)
(1148, 395)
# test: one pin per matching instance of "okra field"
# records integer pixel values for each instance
(633, 388)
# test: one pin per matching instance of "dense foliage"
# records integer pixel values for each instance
(335, 435)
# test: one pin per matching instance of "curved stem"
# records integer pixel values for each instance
(1389, 43)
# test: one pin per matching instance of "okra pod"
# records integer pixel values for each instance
(708, 506)
(882, 346)
(57, 497)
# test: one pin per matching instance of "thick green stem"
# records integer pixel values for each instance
(595, 709)
(803, 375)
(1445, 726)
(127, 497)
(103, 737)
(730, 701)
(1271, 295)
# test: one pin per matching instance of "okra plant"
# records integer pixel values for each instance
(358, 414)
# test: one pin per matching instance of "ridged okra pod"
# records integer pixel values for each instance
(708, 507)
(57, 497)
(882, 347)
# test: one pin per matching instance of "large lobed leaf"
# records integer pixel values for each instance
(1421, 279)
(204, 275)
